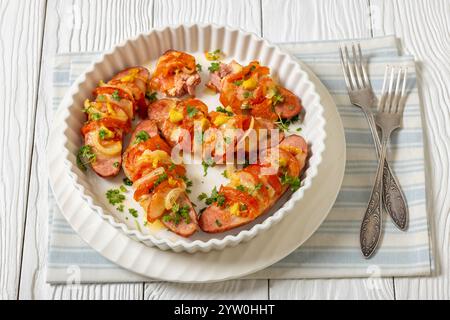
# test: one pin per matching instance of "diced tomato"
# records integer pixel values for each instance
(111, 89)
(236, 196)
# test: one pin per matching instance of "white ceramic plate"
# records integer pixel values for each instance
(145, 50)
(244, 259)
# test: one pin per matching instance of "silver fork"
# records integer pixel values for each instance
(388, 119)
(361, 95)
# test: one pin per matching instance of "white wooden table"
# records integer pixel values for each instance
(33, 31)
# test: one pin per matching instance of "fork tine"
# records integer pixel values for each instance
(358, 77)
(358, 66)
(390, 92)
(344, 66)
(384, 93)
(350, 68)
(395, 104)
(363, 68)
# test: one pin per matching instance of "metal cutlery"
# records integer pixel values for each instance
(361, 95)
(388, 119)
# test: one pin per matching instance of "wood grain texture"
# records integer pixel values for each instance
(234, 290)
(21, 30)
(71, 27)
(97, 292)
(307, 20)
(291, 20)
(245, 14)
(424, 30)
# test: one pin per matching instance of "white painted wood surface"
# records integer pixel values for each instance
(44, 28)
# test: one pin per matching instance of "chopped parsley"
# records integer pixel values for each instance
(225, 174)
(141, 136)
(199, 67)
(277, 98)
(191, 111)
(178, 213)
(219, 224)
(123, 189)
(188, 182)
(214, 66)
(104, 133)
(115, 95)
(223, 110)
(214, 55)
(127, 182)
(215, 197)
(116, 164)
(95, 116)
(247, 94)
(101, 98)
(133, 212)
(206, 164)
(161, 178)
(114, 196)
(120, 207)
(151, 96)
(238, 82)
(241, 188)
(172, 166)
(293, 182)
(84, 156)
(284, 124)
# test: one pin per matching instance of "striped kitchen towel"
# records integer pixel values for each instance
(333, 251)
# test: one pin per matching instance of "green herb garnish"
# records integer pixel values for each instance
(127, 182)
(151, 96)
(241, 188)
(199, 67)
(141, 136)
(215, 66)
(84, 156)
(191, 111)
(162, 177)
(238, 82)
(223, 110)
(123, 189)
(219, 224)
(293, 182)
(115, 95)
(215, 197)
(116, 164)
(120, 208)
(133, 212)
(114, 196)
(206, 164)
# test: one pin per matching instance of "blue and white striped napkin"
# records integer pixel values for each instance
(333, 251)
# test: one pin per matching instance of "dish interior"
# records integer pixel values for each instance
(96, 187)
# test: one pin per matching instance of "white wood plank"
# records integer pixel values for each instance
(244, 14)
(98, 292)
(424, 30)
(235, 290)
(334, 289)
(21, 30)
(71, 27)
(307, 20)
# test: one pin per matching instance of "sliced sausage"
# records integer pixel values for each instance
(290, 106)
(183, 228)
(104, 165)
(215, 219)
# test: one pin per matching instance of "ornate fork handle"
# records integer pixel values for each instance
(394, 201)
(371, 224)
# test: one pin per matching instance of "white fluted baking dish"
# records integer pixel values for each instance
(195, 39)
